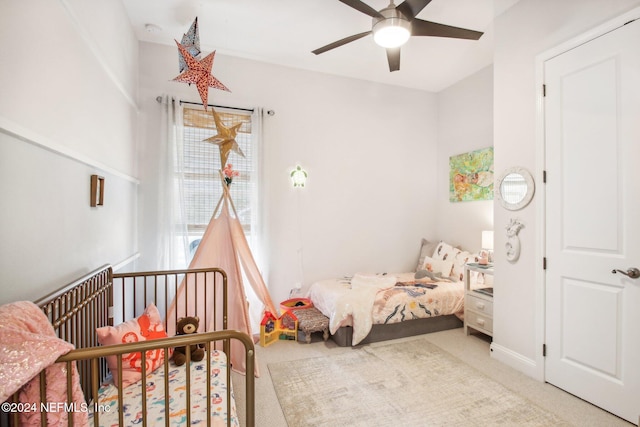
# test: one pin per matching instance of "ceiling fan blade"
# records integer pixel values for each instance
(393, 56)
(433, 29)
(364, 8)
(340, 42)
(411, 8)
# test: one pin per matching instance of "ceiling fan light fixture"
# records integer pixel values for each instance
(392, 29)
(390, 34)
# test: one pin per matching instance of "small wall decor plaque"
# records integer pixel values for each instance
(97, 191)
(512, 246)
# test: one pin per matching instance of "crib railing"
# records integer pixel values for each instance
(94, 356)
(77, 310)
(201, 292)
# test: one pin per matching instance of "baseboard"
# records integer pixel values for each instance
(517, 361)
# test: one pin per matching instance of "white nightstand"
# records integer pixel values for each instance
(478, 302)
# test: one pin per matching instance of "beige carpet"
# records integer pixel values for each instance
(414, 383)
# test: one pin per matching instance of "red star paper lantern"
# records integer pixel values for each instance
(198, 72)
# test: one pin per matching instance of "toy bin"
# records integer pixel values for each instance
(295, 303)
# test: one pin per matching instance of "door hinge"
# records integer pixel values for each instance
(544, 177)
(544, 263)
(544, 90)
(544, 350)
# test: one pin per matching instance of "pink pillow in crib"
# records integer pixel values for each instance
(148, 326)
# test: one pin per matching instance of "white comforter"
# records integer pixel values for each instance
(352, 298)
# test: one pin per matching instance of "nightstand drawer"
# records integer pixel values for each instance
(478, 320)
(479, 304)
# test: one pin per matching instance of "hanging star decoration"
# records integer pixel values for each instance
(225, 139)
(199, 73)
(191, 42)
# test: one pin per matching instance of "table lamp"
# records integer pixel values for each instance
(487, 247)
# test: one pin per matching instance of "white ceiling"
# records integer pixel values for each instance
(285, 32)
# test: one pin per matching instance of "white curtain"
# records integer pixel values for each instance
(172, 231)
(257, 239)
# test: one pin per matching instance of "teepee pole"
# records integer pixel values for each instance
(233, 206)
(215, 211)
(225, 193)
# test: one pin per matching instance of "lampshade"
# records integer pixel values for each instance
(487, 240)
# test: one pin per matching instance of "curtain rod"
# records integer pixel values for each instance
(218, 106)
(270, 112)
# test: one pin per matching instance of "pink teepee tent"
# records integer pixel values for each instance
(225, 246)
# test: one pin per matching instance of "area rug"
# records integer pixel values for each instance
(413, 383)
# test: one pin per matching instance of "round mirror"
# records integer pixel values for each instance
(515, 188)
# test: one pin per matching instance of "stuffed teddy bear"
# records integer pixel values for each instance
(187, 325)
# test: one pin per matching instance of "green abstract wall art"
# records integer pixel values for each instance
(471, 176)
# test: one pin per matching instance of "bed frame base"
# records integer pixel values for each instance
(409, 328)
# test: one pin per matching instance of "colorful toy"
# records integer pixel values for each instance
(295, 304)
(272, 328)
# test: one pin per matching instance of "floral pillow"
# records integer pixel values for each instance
(458, 265)
(437, 266)
(445, 252)
(147, 326)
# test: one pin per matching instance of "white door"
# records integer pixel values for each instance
(592, 150)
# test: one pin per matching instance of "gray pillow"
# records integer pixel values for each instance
(426, 250)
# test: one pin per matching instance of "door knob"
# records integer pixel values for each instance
(633, 272)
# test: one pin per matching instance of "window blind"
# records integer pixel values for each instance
(201, 162)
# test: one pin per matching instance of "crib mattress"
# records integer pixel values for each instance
(107, 402)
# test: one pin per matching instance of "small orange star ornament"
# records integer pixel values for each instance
(225, 139)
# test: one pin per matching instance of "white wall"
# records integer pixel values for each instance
(68, 82)
(369, 150)
(465, 123)
(523, 32)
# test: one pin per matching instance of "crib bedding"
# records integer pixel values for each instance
(366, 299)
(107, 402)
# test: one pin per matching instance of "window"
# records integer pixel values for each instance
(202, 186)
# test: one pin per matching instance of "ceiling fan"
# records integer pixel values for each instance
(393, 25)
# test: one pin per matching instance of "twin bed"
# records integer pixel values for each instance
(367, 308)
(131, 378)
